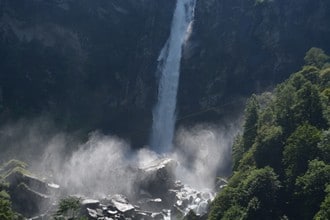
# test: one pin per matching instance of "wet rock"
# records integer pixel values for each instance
(92, 213)
(158, 177)
(206, 195)
(90, 203)
(40, 217)
(159, 196)
(192, 215)
(190, 199)
(143, 216)
(99, 212)
(27, 201)
(111, 211)
(157, 216)
(177, 212)
(202, 208)
(177, 185)
(29, 195)
(221, 183)
(121, 203)
(151, 204)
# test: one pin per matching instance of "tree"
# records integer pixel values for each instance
(325, 97)
(252, 196)
(298, 101)
(324, 146)
(269, 147)
(311, 73)
(235, 212)
(264, 185)
(324, 212)
(316, 57)
(300, 147)
(227, 198)
(310, 189)
(285, 137)
(325, 78)
(285, 97)
(6, 212)
(251, 122)
(238, 151)
(191, 216)
(68, 207)
(308, 107)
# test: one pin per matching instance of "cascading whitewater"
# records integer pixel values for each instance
(169, 66)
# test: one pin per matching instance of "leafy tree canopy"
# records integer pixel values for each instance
(281, 159)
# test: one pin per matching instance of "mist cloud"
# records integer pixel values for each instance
(204, 152)
(106, 164)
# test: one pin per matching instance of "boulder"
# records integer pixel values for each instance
(157, 216)
(177, 212)
(30, 195)
(90, 203)
(121, 203)
(143, 216)
(157, 177)
(91, 213)
(27, 201)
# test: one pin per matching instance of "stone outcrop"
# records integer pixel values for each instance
(158, 177)
(244, 46)
(87, 61)
(29, 194)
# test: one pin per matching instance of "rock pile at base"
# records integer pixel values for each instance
(158, 196)
(117, 207)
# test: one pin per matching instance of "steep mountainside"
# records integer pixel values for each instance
(92, 64)
(241, 46)
(282, 158)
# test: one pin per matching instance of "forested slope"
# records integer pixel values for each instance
(282, 158)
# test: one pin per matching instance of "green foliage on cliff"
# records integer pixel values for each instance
(6, 212)
(324, 212)
(6, 170)
(69, 208)
(282, 158)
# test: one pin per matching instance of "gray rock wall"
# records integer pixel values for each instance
(91, 64)
(244, 46)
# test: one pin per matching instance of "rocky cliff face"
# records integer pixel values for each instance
(244, 46)
(89, 63)
(92, 64)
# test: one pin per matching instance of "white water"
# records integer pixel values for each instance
(169, 65)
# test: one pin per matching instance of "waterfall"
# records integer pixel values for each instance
(169, 66)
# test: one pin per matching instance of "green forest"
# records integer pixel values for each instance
(281, 159)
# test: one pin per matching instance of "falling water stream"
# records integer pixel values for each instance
(169, 66)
